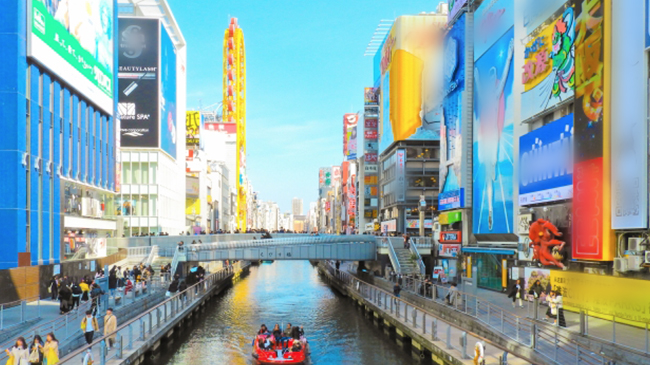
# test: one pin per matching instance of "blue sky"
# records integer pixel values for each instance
(305, 69)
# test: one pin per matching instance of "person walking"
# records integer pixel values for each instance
(407, 241)
(65, 298)
(556, 300)
(36, 351)
(76, 295)
(88, 357)
(51, 349)
(173, 288)
(110, 326)
(19, 353)
(112, 282)
(85, 291)
(88, 326)
(517, 293)
(95, 295)
(536, 290)
(53, 287)
(397, 289)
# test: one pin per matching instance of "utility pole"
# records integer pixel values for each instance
(423, 206)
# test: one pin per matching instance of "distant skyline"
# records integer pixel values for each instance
(305, 69)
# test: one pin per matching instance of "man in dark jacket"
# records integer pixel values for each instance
(112, 282)
(65, 297)
(173, 287)
(181, 288)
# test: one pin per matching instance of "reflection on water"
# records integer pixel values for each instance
(285, 291)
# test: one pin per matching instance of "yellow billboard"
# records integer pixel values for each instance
(192, 127)
(192, 206)
(604, 296)
(411, 79)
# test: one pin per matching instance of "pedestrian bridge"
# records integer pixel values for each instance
(348, 248)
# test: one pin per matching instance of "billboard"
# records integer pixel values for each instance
(454, 7)
(493, 138)
(350, 122)
(138, 78)
(411, 65)
(549, 64)
(492, 20)
(75, 41)
(451, 136)
(335, 172)
(400, 175)
(592, 234)
(629, 137)
(370, 96)
(536, 12)
(546, 163)
(193, 126)
(167, 94)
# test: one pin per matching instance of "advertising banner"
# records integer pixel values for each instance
(350, 122)
(389, 226)
(493, 137)
(336, 175)
(327, 176)
(492, 20)
(400, 175)
(370, 96)
(549, 64)
(454, 7)
(370, 168)
(192, 186)
(75, 41)
(168, 94)
(629, 176)
(415, 223)
(451, 236)
(449, 250)
(592, 234)
(451, 200)
(138, 79)
(536, 12)
(321, 178)
(532, 274)
(627, 299)
(451, 137)
(193, 123)
(370, 123)
(370, 135)
(546, 163)
(370, 147)
(411, 61)
(371, 157)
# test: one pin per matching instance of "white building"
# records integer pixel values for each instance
(152, 191)
(296, 206)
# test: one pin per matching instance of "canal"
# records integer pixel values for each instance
(281, 292)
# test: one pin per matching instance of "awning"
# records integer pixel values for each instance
(494, 251)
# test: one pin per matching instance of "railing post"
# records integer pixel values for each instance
(463, 343)
(23, 308)
(142, 331)
(613, 327)
(449, 337)
(502, 321)
(130, 346)
(434, 329)
(414, 315)
(647, 340)
(406, 308)
(102, 352)
(555, 346)
(66, 326)
(397, 305)
(582, 322)
(424, 323)
(150, 322)
(120, 347)
(517, 323)
(533, 336)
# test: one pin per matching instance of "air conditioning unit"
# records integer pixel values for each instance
(636, 244)
(647, 258)
(634, 262)
(620, 264)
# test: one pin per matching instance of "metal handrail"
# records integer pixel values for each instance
(175, 261)
(497, 318)
(350, 281)
(418, 259)
(191, 292)
(393, 256)
(153, 254)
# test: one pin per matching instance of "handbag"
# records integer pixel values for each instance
(34, 356)
(10, 361)
(168, 294)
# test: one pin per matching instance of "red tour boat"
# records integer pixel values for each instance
(266, 352)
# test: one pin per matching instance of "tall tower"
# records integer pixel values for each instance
(234, 106)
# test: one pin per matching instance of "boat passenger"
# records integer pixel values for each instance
(277, 334)
(263, 330)
(297, 346)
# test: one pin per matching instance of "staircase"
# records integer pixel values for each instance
(406, 263)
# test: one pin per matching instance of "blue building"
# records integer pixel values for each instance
(57, 145)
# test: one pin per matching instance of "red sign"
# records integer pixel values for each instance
(370, 123)
(588, 209)
(371, 157)
(370, 134)
(451, 236)
(451, 250)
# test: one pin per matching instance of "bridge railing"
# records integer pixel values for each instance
(520, 329)
(141, 327)
(392, 255)
(280, 242)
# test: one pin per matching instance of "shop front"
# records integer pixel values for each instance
(491, 266)
(449, 252)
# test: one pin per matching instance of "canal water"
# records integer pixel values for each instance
(281, 292)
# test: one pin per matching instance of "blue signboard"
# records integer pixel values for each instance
(168, 91)
(491, 20)
(546, 164)
(451, 147)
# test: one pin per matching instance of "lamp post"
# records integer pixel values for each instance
(423, 206)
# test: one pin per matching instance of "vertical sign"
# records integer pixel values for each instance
(592, 236)
(138, 79)
(400, 175)
(630, 133)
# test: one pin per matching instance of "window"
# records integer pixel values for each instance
(126, 174)
(145, 173)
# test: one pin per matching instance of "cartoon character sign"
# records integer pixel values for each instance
(545, 247)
